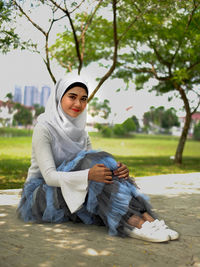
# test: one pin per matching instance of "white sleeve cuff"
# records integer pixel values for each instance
(74, 189)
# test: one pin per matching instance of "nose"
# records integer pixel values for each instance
(77, 103)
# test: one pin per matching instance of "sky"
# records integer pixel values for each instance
(25, 68)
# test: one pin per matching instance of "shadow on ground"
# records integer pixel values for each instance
(159, 164)
(74, 245)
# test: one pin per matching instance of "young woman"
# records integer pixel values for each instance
(67, 180)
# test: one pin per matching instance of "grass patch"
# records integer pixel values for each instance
(12, 132)
(144, 155)
(148, 166)
(15, 155)
(13, 172)
(144, 145)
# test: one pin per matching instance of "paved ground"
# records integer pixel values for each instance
(175, 197)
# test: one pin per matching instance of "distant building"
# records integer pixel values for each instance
(17, 95)
(27, 96)
(45, 93)
(196, 117)
(31, 96)
(35, 96)
(195, 120)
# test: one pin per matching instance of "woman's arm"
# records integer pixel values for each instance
(44, 158)
(73, 184)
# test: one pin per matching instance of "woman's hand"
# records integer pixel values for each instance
(122, 171)
(99, 173)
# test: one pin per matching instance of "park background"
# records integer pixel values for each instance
(159, 52)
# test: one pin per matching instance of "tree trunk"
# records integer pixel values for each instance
(183, 138)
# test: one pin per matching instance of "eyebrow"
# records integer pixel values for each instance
(77, 95)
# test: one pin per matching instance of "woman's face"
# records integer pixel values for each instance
(74, 101)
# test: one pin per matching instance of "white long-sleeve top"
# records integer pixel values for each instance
(43, 164)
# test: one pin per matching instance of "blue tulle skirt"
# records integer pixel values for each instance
(106, 204)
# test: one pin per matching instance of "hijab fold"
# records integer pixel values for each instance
(68, 134)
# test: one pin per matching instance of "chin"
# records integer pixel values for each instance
(74, 115)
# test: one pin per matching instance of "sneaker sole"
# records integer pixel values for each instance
(133, 235)
(174, 238)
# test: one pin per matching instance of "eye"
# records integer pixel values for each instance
(84, 99)
(72, 97)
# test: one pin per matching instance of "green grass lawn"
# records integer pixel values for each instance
(15, 156)
(147, 155)
(144, 155)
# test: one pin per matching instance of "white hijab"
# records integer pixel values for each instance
(68, 134)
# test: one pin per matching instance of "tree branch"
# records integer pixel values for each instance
(159, 57)
(77, 45)
(58, 6)
(186, 29)
(47, 62)
(132, 23)
(77, 6)
(29, 19)
(183, 96)
(198, 95)
(195, 109)
(65, 66)
(46, 34)
(59, 18)
(91, 17)
(107, 75)
(151, 71)
(193, 65)
(128, 28)
(83, 30)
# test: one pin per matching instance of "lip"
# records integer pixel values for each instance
(76, 110)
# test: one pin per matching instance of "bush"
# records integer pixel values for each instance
(119, 130)
(196, 133)
(106, 131)
(98, 126)
(129, 125)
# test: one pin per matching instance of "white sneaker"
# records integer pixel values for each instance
(148, 233)
(161, 225)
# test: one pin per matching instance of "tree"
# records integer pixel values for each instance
(160, 118)
(196, 133)
(23, 116)
(170, 119)
(9, 103)
(9, 96)
(38, 110)
(71, 45)
(137, 125)
(96, 107)
(129, 125)
(9, 39)
(88, 36)
(103, 38)
(4, 121)
(164, 46)
(119, 130)
(78, 33)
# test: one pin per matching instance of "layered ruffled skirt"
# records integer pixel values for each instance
(106, 204)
